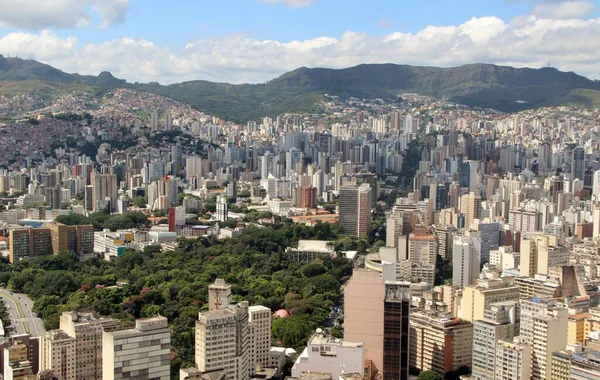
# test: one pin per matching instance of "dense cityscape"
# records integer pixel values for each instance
(300, 190)
(373, 239)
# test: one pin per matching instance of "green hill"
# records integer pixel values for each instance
(483, 85)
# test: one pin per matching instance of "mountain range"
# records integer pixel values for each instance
(483, 85)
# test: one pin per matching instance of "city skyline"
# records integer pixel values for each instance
(138, 42)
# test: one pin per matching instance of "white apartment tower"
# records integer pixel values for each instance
(543, 326)
(466, 255)
(139, 353)
(260, 321)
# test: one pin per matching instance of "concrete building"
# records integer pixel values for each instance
(500, 322)
(29, 242)
(223, 336)
(16, 362)
(585, 366)
(75, 350)
(77, 239)
(355, 209)
(439, 342)
(541, 252)
(376, 312)
(104, 191)
(512, 360)
(259, 318)
(543, 326)
(33, 350)
(142, 352)
(490, 236)
(310, 250)
(222, 214)
(326, 354)
(470, 206)
(489, 289)
(422, 256)
(466, 256)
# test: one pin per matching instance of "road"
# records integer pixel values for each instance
(22, 317)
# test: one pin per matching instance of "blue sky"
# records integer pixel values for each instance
(256, 40)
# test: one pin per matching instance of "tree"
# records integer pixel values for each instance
(140, 201)
(429, 375)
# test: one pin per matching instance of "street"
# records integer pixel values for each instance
(23, 319)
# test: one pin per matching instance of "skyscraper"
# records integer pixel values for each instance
(578, 163)
(104, 192)
(470, 205)
(355, 209)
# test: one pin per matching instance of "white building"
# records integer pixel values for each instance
(142, 352)
(326, 354)
(466, 255)
(260, 321)
(513, 360)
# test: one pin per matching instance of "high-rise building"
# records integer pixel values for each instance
(355, 209)
(104, 192)
(224, 341)
(154, 120)
(543, 326)
(222, 214)
(490, 288)
(16, 361)
(500, 321)
(466, 253)
(490, 237)
(75, 350)
(376, 312)
(512, 360)
(540, 252)
(32, 345)
(309, 197)
(422, 256)
(260, 321)
(439, 342)
(578, 163)
(470, 205)
(29, 242)
(77, 239)
(139, 353)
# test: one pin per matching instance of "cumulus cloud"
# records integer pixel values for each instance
(570, 44)
(564, 9)
(290, 3)
(42, 14)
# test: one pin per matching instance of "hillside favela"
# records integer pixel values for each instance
(300, 190)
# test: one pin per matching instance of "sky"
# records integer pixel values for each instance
(253, 41)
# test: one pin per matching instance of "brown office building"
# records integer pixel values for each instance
(29, 242)
(77, 239)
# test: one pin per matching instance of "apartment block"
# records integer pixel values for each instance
(490, 288)
(77, 239)
(75, 350)
(259, 317)
(29, 242)
(544, 327)
(512, 360)
(422, 256)
(139, 353)
(439, 342)
(500, 322)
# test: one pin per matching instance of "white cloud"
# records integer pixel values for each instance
(290, 3)
(43, 14)
(571, 44)
(564, 9)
